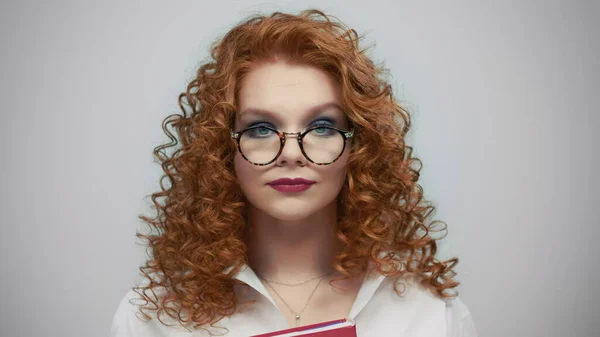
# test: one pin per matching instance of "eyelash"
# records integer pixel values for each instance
(320, 121)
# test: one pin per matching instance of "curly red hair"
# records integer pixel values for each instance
(201, 212)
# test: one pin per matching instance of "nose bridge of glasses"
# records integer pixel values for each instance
(285, 134)
(298, 136)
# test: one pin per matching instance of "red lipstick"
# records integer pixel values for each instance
(291, 185)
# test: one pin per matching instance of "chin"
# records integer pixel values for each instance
(290, 211)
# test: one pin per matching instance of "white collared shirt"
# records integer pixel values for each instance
(377, 311)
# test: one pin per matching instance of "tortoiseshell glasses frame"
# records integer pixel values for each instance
(237, 135)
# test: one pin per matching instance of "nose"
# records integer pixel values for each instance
(291, 151)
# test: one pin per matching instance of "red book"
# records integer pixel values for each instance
(337, 328)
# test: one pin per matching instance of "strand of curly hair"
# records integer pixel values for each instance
(200, 209)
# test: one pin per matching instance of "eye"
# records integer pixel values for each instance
(260, 123)
(262, 131)
(324, 122)
(258, 130)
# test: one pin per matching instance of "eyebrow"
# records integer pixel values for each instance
(270, 114)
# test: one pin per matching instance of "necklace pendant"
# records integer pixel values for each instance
(297, 317)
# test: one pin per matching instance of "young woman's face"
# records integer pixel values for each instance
(290, 98)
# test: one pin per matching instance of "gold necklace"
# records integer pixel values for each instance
(296, 314)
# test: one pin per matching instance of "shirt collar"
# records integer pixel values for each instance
(248, 276)
(371, 282)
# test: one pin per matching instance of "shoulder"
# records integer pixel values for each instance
(128, 320)
(123, 322)
(427, 307)
(459, 320)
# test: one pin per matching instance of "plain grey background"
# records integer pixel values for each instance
(504, 96)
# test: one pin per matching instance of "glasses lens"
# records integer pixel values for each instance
(260, 145)
(323, 145)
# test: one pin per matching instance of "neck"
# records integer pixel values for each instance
(292, 250)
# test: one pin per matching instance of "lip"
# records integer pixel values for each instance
(290, 182)
(291, 188)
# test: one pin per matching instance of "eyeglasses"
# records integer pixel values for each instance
(261, 145)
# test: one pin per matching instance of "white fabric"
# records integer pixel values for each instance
(377, 311)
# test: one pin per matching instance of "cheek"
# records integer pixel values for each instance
(244, 171)
(335, 174)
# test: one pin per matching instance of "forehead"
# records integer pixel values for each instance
(289, 90)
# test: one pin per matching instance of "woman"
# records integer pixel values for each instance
(292, 198)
